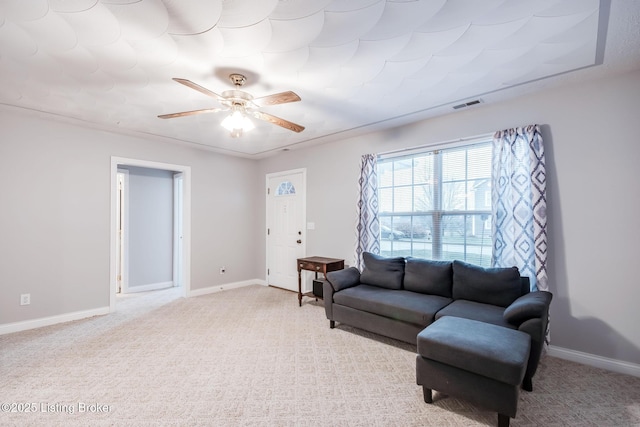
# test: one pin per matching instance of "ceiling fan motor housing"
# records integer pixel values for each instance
(237, 79)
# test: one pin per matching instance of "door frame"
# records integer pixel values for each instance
(186, 226)
(178, 225)
(268, 177)
(122, 220)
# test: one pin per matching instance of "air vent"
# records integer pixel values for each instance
(467, 104)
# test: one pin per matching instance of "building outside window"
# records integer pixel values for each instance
(437, 204)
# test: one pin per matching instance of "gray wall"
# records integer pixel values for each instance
(150, 201)
(592, 152)
(56, 208)
(55, 214)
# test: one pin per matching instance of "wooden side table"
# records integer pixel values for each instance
(317, 264)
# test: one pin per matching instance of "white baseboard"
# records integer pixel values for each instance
(218, 288)
(9, 328)
(147, 288)
(613, 365)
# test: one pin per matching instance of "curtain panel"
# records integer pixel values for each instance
(367, 223)
(519, 203)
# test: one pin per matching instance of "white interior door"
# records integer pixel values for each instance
(286, 234)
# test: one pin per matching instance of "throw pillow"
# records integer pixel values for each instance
(496, 286)
(428, 276)
(382, 272)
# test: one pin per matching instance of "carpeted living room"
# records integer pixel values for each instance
(263, 212)
(250, 357)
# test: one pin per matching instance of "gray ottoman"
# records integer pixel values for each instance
(476, 361)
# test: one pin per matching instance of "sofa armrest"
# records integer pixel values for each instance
(529, 306)
(336, 281)
(342, 279)
(530, 313)
(327, 296)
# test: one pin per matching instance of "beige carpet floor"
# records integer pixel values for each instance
(252, 357)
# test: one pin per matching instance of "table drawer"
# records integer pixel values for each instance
(309, 266)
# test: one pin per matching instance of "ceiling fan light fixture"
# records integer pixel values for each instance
(237, 123)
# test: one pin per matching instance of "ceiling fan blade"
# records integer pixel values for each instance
(278, 98)
(278, 121)
(197, 87)
(189, 113)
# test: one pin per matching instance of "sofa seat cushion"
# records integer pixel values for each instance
(405, 306)
(476, 311)
(478, 347)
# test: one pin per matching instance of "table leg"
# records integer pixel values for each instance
(316, 279)
(299, 288)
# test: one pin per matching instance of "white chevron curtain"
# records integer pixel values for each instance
(520, 204)
(368, 225)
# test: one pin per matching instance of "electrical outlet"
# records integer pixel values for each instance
(25, 299)
(223, 270)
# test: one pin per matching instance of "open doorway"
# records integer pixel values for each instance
(124, 276)
(149, 205)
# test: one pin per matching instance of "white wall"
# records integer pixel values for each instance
(55, 214)
(592, 153)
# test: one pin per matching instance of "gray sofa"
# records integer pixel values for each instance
(399, 297)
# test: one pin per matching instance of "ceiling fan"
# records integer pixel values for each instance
(241, 104)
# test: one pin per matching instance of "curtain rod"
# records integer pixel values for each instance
(479, 138)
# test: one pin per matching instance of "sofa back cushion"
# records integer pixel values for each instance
(428, 276)
(382, 272)
(496, 286)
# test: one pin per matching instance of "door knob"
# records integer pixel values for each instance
(298, 241)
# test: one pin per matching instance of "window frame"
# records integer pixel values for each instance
(438, 214)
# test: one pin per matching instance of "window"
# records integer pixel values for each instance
(437, 204)
(285, 188)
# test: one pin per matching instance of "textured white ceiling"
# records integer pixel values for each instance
(356, 64)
